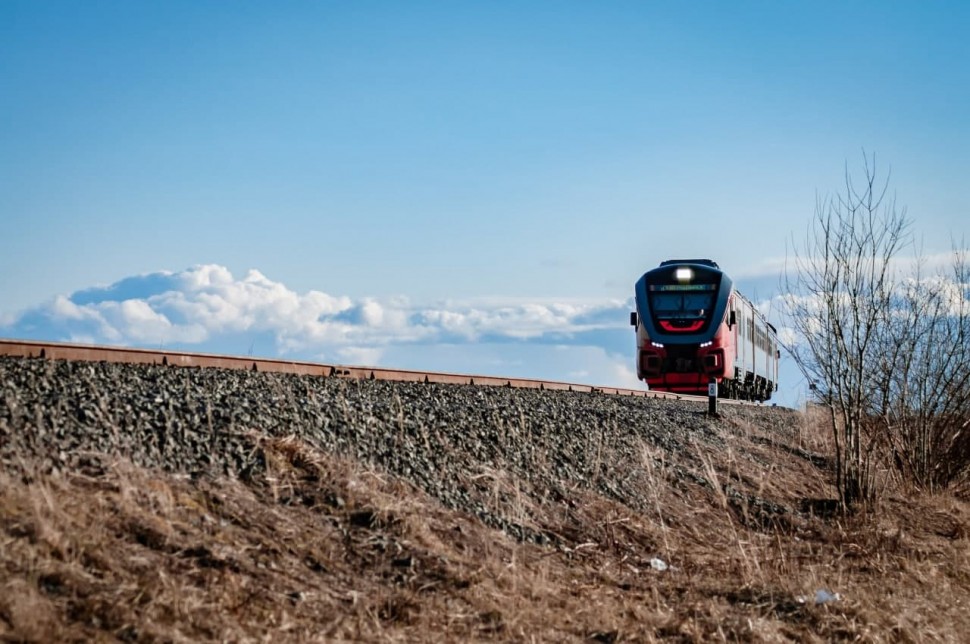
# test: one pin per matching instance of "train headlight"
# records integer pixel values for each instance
(707, 344)
(683, 274)
(657, 344)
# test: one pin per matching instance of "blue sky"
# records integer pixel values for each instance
(451, 157)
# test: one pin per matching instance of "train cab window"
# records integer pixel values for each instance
(692, 305)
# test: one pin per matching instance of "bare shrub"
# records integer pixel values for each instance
(925, 408)
(840, 291)
(885, 353)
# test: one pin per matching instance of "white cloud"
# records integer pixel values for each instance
(624, 375)
(372, 313)
(518, 320)
(81, 339)
(206, 307)
(367, 356)
(67, 309)
(788, 336)
(143, 323)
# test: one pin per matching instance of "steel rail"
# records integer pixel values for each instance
(102, 353)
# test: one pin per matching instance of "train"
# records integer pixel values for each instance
(695, 330)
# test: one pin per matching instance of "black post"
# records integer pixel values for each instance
(712, 398)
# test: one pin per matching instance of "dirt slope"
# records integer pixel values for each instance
(143, 503)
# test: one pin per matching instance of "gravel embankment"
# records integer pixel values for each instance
(455, 442)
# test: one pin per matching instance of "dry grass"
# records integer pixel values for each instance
(321, 549)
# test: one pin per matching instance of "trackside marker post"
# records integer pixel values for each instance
(712, 398)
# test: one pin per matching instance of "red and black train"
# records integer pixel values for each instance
(693, 328)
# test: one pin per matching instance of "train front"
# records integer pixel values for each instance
(682, 341)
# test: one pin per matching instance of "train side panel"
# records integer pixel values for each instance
(756, 375)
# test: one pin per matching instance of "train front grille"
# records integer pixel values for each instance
(682, 359)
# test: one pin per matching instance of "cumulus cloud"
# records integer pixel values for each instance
(788, 336)
(207, 308)
(931, 276)
(367, 356)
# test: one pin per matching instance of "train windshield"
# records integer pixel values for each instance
(674, 302)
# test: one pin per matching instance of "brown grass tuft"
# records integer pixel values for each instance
(320, 548)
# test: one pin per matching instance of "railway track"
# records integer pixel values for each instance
(97, 353)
